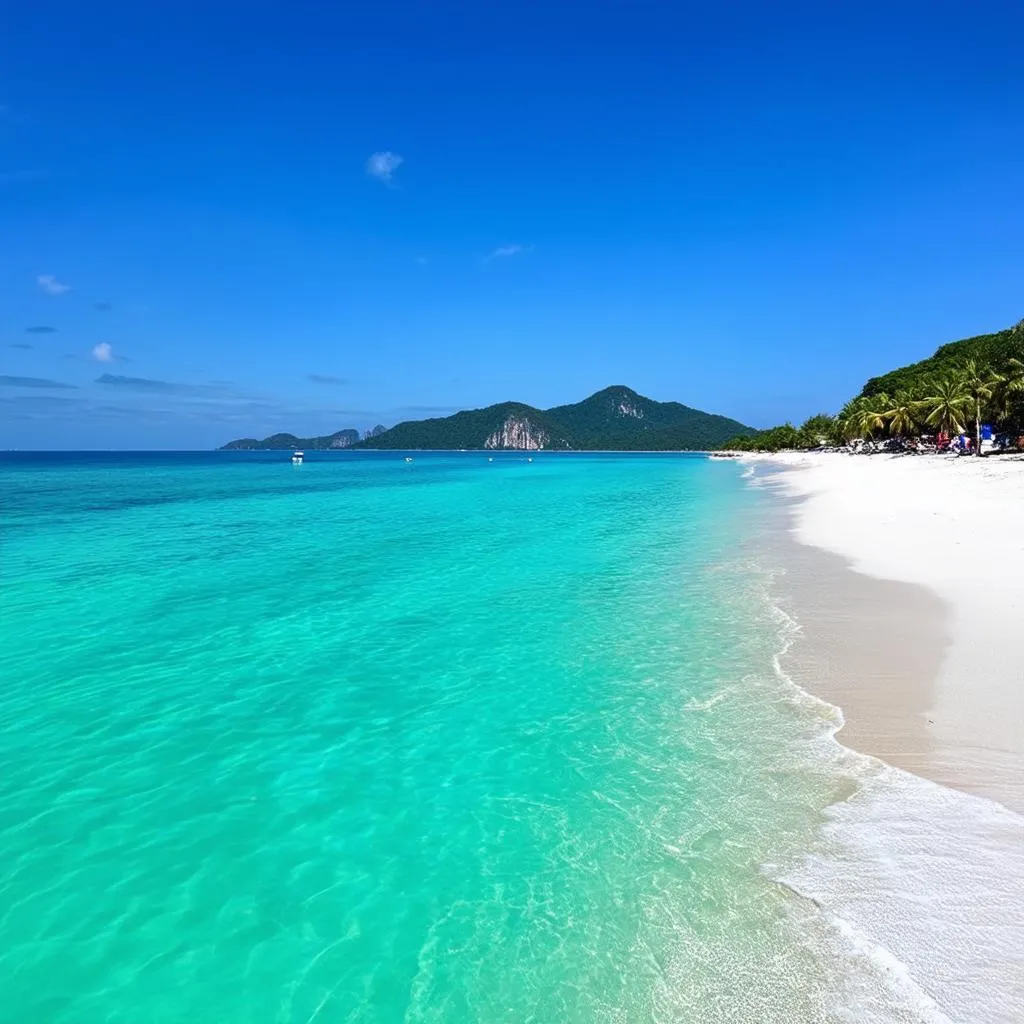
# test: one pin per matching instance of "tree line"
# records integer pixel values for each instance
(958, 398)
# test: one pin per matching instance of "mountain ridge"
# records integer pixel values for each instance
(617, 418)
(345, 438)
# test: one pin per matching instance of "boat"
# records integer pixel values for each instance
(408, 458)
(297, 458)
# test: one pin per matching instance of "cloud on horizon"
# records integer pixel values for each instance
(42, 329)
(20, 344)
(156, 387)
(383, 165)
(51, 285)
(103, 352)
(32, 382)
(325, 378)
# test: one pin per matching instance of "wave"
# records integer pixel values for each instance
(922, 886)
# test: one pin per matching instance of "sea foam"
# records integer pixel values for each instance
(933, 880)
(922, 884)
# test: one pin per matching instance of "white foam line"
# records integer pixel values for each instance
(926, 881)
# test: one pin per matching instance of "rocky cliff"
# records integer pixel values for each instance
(519, 433)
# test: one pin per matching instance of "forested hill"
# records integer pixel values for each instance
(962, 386)
(506, 425)
(615, 419)
(994, 350)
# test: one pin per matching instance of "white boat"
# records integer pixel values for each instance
(297, 458)
(408, 458)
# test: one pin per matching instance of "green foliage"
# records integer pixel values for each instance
(1009, 396)
(775, 439)
(618, 419)
(615, 419)
(964, 384)
(469, 429)
(902, 416)
(992, 350)
(945, 406)
(819, 430)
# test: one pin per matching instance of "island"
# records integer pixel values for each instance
(614, 419)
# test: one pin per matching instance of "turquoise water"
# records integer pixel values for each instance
(363, 740)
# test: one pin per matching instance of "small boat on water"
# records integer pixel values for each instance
(408, 458)
(297, 458)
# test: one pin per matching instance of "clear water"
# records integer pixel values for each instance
(363, 740)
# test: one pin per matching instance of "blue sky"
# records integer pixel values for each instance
(224, 219)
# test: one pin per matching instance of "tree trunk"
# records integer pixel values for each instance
(977, 427)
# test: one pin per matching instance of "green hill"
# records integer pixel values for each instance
(506, 425)
(615, 419)
(993, 350)
(963, 384)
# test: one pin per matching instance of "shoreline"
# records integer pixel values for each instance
(877, 669)
(921, 863)
(904, 573)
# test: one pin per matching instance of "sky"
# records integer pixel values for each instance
(226, 219)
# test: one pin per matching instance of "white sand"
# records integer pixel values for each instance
(955, 526)
(929, 880)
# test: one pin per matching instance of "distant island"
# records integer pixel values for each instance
(280, 442)
(615, 419)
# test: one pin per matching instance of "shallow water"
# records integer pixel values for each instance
(441, 741)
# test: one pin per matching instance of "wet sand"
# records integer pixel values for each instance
(873, 647)
(922, 681)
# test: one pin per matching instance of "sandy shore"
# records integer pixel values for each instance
(922, 648)
(929, 670)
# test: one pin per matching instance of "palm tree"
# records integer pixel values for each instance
(1010, 387)
(848, 420)
(946, 407)
(871, 414)
(901, 413)
(980, 382)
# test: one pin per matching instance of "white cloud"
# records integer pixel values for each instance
(103, 353)
(504, 251)
(51, 285)
(382, 166)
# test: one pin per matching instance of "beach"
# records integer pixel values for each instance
(929, 671)
(902, 576)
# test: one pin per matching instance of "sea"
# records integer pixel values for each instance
(466, 738)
